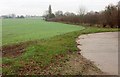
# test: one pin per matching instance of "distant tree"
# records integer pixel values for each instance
(111, 15)
(58, 13)
(21, 16)
(50, 10)
(18, 16)
(102, 20)
(12, 15)
(48, 14)
(69, 14)
(91, 18)
(72, 14)
(118, 14)
(5, 16)
(119, 4)
(81, 11)
(45, 15)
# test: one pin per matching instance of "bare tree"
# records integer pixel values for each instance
(81, 11)
(58, 13)
(102, 20)
(118, 14)
(111, 15)
(69, 14)
(45, 15)
(119, 4)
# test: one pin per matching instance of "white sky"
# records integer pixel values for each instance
(37, 7)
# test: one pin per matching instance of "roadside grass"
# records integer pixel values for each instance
(45, 53)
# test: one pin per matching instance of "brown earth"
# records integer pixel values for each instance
(78, 65)
(15, 50)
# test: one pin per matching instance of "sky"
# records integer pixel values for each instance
(38, 7)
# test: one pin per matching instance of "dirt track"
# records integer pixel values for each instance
(102, 48)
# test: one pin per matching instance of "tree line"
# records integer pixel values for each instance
(109, 17)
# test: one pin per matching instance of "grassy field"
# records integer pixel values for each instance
(56, 40)
(0, 32)
(21, 30)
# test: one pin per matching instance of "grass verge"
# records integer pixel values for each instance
(42, 55)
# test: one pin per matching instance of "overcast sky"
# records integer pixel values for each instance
(37, 7)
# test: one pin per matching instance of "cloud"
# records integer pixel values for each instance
(39, 6)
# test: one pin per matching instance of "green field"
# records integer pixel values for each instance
(21, 30)
(51, 43)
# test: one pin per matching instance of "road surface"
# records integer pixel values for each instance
(102, 49)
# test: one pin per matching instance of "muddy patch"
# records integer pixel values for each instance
(15, 50)
(12, 51)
